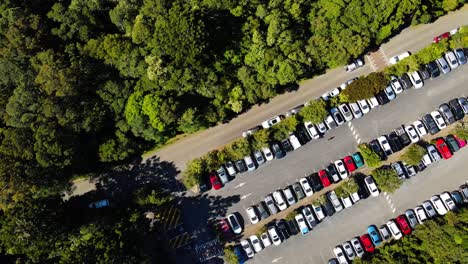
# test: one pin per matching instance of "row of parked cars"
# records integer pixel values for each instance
(404, 224)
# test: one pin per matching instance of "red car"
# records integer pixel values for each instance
(349, 163)
(367, 243)
(403, 225)
(443, 148)
(460, 141)
(445, 35)
(324, 178)
(214, 181)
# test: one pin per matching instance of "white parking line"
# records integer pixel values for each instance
(356, 137)
(276, 259)
(354, 132)
(394, 209)
(245, 196)
(359, 141)
(350, 124)
(384, 55)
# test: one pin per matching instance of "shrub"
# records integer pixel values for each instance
(386, 179)
(413, 154)
(230, 256)
(371, 158)
(365, 87)
(315, 112)
(281, 131)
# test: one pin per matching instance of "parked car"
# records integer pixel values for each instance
(430, 124)
(373, 103)
(443, 65)
(341, 169)
(452, 143)
(274, 235)
(366, 242)
(451, 59)
(357, 113)
(394, 229)
(318, 211)
(375, 146)
(286, 145)
(464, 104)
(247, 248)
(346, 112)
(348, 250)
(312, 130)
(335, 201)
(214, 181)
(251, 131)
(461, 142)
(394, 141)
(249, 162)
(438, 120)
(357, 158)
(433, 153)
(346, 201)
(416, 80)
(262, 211)
(306, 187)
(413, 135)
(330, 122)
(339, 119)
(374, 235)
(316, 182)
(384, 145)
(456, 108)
(357, 247)
(410, 170)
(447, 114)
(364, 106)
(252, 215)
(302, 224)
(424, 73)
(271, 122)
(412, 220)
(234, 223)
(371, 187)
(223, 177)
(354, 65)
(258, 156)
(394, 60)
(298, 191)
(443, 148)
(240, 165)
(321, 127)
(405, 81)
(267, 153)
(279, 199)
(294, 111)
(270, 202)
(398, 168)
(442, 36)
(283, 229)
(294, 141)
(290, 199)
(403, 225)
(461, 57)
(390, 93)
(457, 198)
(448, 201)
(309, 217)
(420, 129)
(328, 208)
(277, 151)
(333, 173)
(324, 178)
(256, 244)
(231, 170)
(429, 209)
(404, 138)
(433, 69)
(340, 255)
(396, 85)
(420, 214)
(382, 98)
(350, 166)
(266, 242)
(438, 205)
(292, 227)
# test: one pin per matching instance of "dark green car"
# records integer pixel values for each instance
(358, 159)
(452, 143)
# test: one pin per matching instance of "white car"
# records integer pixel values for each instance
(334, 92)
(234, 223)
(420, 214)
(354, 65)
(355, 197)
(438, 119)
(438, 205)
(346, 112)
(267, 153)
(274, 235)
(294, 141)
(321, 127)
(348, 250)
(302, 224)
(413, 135)
(318, 212)
(348, 82)
(309, 217)
(247, 248)
(396, 85)
(448, 201)
(326, 96)
(451, 59)
(398, 58)
(416, 79)
(230, 168)
(357, 113)
(306, 187)
(249, 162)
(271, 122)
(357, 247)
(385, 145)
(265, 240)
(370, 184)
(256, 244)
(394, 229)
(426, 160)
(346, 201)
(340, 167)
(289, 196)
(340, 255)
(364, 106)
(420, 128)
(311, 130)
(330, 122)
(373, 103)
(279, 199)
(252, 215)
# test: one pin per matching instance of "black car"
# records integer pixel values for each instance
(282, 229)
(298, 191)
(303, 135)
(333, 173)
(328, 208)
(424, 73)
(404, 138)
(203, 185)
(315, 182)
(277, 151)
(286, 145)
(375, 146)
(452, 143)
(394, 142)
(430, 124)
(405, 81)
(240, 166)
(433, 69)
(457, 110)
(420, 166)
(262, 211)
(382, 98)
(292, 227)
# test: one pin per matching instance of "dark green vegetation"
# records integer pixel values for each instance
(438, 241)
(413, 154)
(371, 158)
(386, 179)
(84, 83)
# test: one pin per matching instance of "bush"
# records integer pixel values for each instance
(461, 131)
(262, 230)
(193, 173)
(315, 112)
(413, 154)
(365, 87)
(260, 139)
(371, 158)
(281, 131)
(350, 186)
(386, 179)
(229, 256)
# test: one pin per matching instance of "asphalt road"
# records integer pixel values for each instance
(406, 108)
(316, 247)
(192, 146)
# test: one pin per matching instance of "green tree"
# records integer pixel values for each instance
(365, 87)
(261, 139)
(386, 179)
(315, 112)
(284, 128)
(413, 154)
(371, 158)
(193, 172)
(229, 256)
(461, 131)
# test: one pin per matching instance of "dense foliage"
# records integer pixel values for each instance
(386, 179)
(371, 157)
(413, 154)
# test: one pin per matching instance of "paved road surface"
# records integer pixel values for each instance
(316, 247)
(411, 39)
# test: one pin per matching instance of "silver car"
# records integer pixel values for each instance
(271, 204)
(433, 153)
(346, 112)
(335, 201)
(442, 63)
(357, 113)
(222, 175)
(413, 221)
(258, 157)
(464, 104)
(348, 250)
(429, 208)
(451, 59)
(289, 196)
(384, 232)
(357, 247)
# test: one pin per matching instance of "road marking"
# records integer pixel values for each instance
(359, 141)
(354, 133)
(388, 198)
(239, 185)
(356, 137)
(384, 55)
(394, 209)
(276, 259)
(385, 193)
(349, 124)
(245, 196)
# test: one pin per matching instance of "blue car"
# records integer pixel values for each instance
(358, 160)
(374, 235)
(241, 257)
